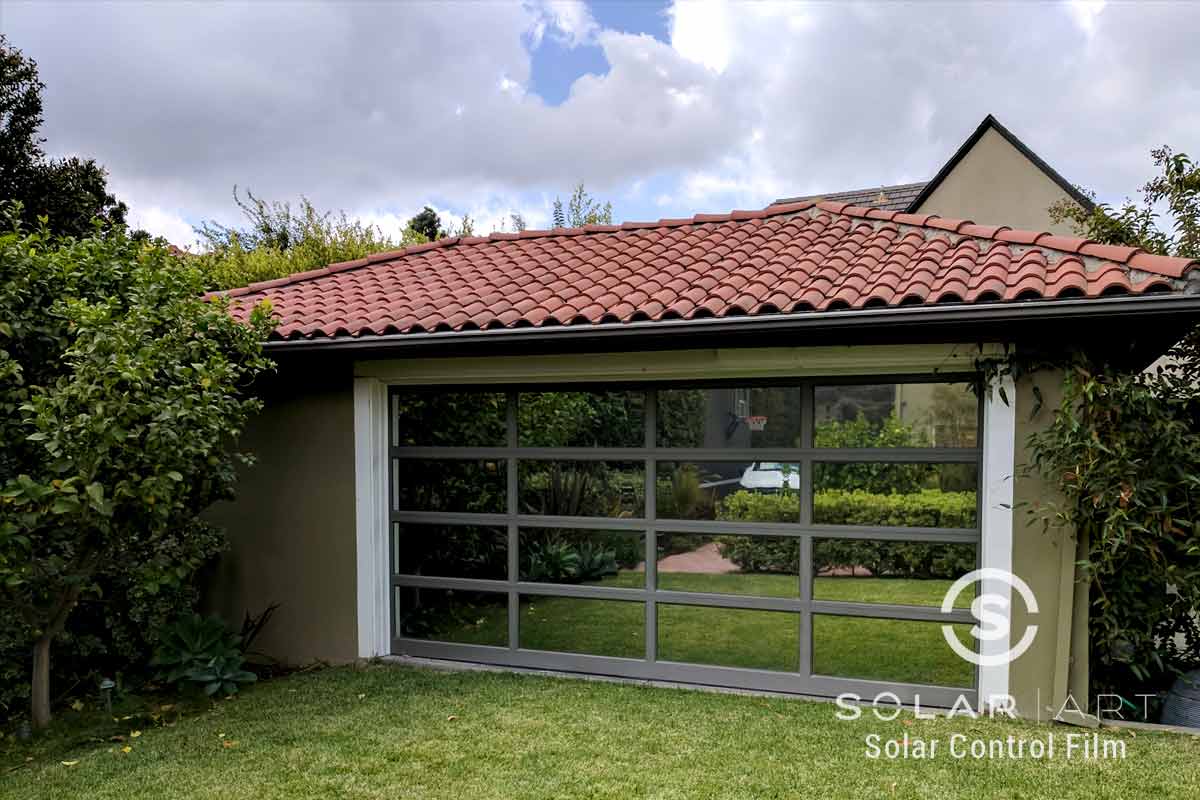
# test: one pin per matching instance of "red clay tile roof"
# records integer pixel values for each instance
(804, 257)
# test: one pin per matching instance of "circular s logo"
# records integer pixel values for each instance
(991, 610)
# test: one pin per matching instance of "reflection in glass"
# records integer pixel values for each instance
(758, 491)
(906, 495)
(766, 566)
(451, 615)
(448, 551)
(729, 637)
(895, 572)
(559, 555)
(433, 417)
(583, 488)
(757, 416)
(905, 651)
(896, 415)
(581, 419)
(577, 625)
(448, 485)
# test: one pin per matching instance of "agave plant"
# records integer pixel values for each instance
(201, 650)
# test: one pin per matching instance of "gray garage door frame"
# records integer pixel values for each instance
(804, 681)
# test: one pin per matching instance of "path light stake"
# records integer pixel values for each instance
(106, 687)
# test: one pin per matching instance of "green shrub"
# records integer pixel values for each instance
(201, 651)
(925, 508)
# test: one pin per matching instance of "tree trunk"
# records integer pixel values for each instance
(40, 706)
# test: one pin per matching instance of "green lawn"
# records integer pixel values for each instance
(394, 733)
(909, 652)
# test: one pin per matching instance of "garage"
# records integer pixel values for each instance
(794, 536)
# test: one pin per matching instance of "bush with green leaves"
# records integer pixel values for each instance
(203, 652)
(121, 393)
(927, 508)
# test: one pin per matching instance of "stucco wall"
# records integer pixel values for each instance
(292, 527)
(1045, 558)
(996, 184)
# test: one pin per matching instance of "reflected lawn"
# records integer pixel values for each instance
(907, 652)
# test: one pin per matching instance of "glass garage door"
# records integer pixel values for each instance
(794, 537)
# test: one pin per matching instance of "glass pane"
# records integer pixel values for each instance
(906, 495)
(767, 566)
(583, 488)
(901, 573)
(576, 625)
(729, 637)
(758, 491)
(896, 415)
(758, 416)
(450, 615)
(448, 551)
(443, 485)
(431, 417)
(581, 419)
(898, 650)
(604, 558)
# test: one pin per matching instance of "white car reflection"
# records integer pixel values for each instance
(767, 475)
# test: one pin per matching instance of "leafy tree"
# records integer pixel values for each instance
(278, 240)
(426, 223)
(1137, 225)
(70, 192)
(120, 393)
(582, 209)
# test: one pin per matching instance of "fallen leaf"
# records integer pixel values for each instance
(166, 707)
(77, 705)
(451, 718)
(134, 734)
(220, 736)
(229, 743)
(126, 749)
(127, 716)
(116, 738)
(69, 763)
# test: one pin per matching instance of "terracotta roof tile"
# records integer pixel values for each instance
(788, 258)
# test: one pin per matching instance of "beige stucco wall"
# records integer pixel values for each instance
(1057, 662)
(292, 526)
(996, 184)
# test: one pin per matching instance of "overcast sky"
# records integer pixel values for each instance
(665, 109)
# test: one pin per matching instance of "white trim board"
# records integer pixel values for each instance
(371, 517)
(999, 436)
(710, 364)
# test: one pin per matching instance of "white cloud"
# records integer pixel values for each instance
(165, 223)
(380, 109)
(570, 21)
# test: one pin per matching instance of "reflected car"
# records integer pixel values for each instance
(766, 476)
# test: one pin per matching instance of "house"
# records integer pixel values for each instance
(499, 449)
(992, 176)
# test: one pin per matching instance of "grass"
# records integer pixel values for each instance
(395, 733)
(893, 650)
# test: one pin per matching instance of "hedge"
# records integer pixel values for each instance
(925, 508)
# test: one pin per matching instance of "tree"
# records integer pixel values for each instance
(120, 393)
(582, 209)
(70, 192)
(1124, 450)
(426, 223)
(277, 241)
(1134, 225)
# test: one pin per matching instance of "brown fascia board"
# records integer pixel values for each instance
(990, 122)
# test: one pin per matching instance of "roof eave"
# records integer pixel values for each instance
(992, 322)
